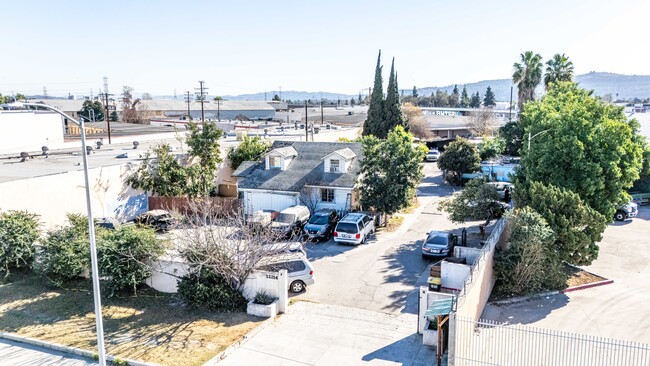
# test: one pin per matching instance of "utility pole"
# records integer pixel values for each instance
(280, 92)
(188, 99)
(174, 93)
(306, 124)
(45, 92)
(218, 100)
(510, 113)
(107, 114)
(200, 96)
(321, 112)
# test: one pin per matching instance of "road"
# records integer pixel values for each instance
(20, 354)
(383, 274)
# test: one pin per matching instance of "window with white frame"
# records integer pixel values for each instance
(326, 195)
(275, 162)
(334, 166)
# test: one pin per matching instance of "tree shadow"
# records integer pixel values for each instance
(525, 312)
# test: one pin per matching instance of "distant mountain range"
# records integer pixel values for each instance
(623, 86)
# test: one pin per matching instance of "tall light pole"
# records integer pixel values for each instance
(535, 135)
(91, 231)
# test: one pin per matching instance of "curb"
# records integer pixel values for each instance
(67, 349)
(515, 300)
(230, 349)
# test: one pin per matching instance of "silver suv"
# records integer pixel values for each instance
(300, 271)
(354, 228)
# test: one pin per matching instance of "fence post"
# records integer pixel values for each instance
(283, 291)
(422, 308)
(451, 351)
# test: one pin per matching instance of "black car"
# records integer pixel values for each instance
(439, 244)
(322, 224)
(161, 220)
(109, 223)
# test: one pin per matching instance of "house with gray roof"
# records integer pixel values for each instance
(314, 174)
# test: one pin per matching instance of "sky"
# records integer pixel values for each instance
(240, 47)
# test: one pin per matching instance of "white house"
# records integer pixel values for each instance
(314, 174)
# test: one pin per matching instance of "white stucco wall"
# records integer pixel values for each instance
(29, 130)
(53, 196)
(454, 274)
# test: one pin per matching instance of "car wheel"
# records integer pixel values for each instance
(619, 216)
(363, 241)
(297, 287)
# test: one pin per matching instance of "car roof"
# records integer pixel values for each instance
(324, 211)
(294, 209)
(353, 217)
(282, 257)
(438, 233)
(156, 212)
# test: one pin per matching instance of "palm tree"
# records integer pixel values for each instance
(559, 68)
(527, 75)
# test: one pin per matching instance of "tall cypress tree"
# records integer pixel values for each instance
(464, 98)
(392, 108)
(375, 120)
(488, 101)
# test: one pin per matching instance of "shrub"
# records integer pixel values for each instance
(124, 257)
(19, 231)
(491, 148)
(65, 252)
(204, 288)
(263, 298)
(252, 148)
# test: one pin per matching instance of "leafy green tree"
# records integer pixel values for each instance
(454, 98)
(489, 101)
(276, 98)
(393, 115)
(65, 252)
(475, 102)
(203, 141)
(513, 135)
(643, 183)
(114, 117)
(559, 68)
(20, 96)
(578, 228)
(415, 92)
(251, 149)
(491, 148)
(527, 74)
(124, 257)
(581, 144)
(19, 231)
(375, 120)
(160, 173)
(460, 157)
(391, 171)
(475, 202)
(464, 98)
(90, 108)
(529, 265)
(441, 99)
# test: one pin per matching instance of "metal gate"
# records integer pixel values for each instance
(485, 342)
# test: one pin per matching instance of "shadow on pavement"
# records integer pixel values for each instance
(403, 352)
(526, 312)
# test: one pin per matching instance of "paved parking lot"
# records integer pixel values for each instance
(620, 310)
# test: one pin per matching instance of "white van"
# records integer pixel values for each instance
(290, 221)
(300, 270)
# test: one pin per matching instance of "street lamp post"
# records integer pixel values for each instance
(91, 231)
(535, 135)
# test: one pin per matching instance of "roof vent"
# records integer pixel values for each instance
(46, 151)
(89, 149)
(24, 156)
(135, 145)
(99, 144)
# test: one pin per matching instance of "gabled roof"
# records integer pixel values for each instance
(307, 168)
(284, 151)
(346, 153)
(244, 168)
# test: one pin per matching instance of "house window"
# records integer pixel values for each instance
(334, 166)
(275, 162)
(327, 195)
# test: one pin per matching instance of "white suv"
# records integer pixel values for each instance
(354, 228)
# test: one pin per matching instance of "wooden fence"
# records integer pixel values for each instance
(226, 206)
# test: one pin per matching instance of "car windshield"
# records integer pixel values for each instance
(285, 218)
(437, 240)
(318, 220)
(347, 227)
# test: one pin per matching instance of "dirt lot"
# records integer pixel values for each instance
(152, 327)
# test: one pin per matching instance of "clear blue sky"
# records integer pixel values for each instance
(250, 46)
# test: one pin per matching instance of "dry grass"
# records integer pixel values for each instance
(411, 207)
(579, 277)
(393, 223)
(152, 327)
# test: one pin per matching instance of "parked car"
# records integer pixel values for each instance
(627, 211)
(432, 155)
(290, 221)
(261, 220)
(300, 270)
(285, 247)
(354, 228)
(321, 224)
(501, 188)
(161, 220)
(109, 223)
(439, 244)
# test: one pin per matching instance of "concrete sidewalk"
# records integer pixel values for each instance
(21, 354)
(316, 334)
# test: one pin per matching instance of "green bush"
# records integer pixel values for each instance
(491, 148)
(251, 148)
(205, 289)
(65, 252)
(124, 255)
(263, 298)
(19, 231)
